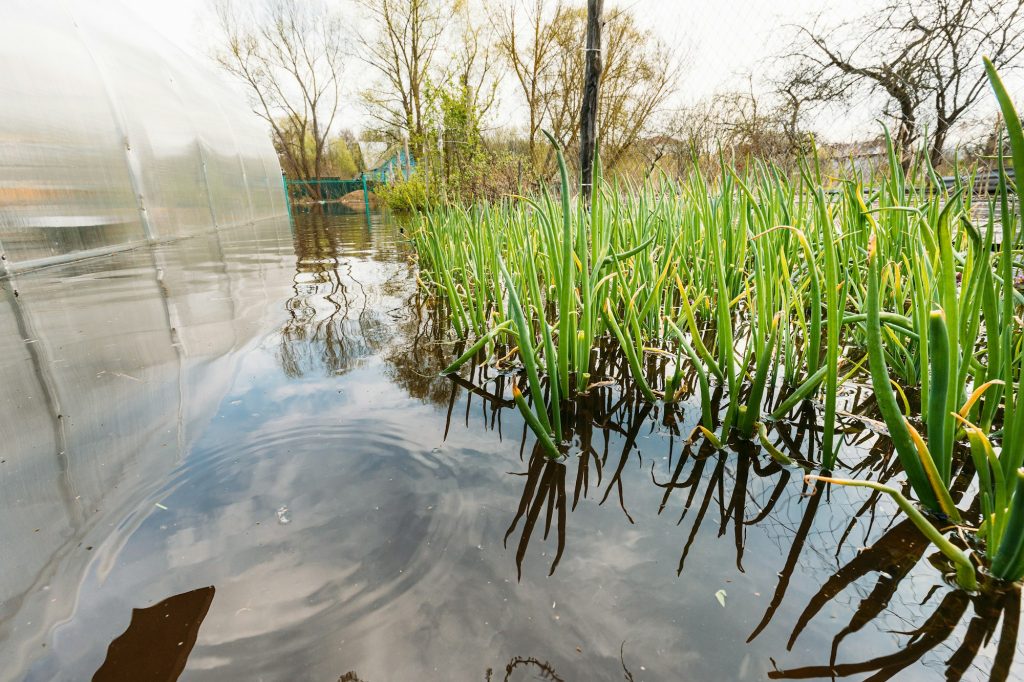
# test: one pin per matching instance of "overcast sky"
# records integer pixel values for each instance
(719, 42)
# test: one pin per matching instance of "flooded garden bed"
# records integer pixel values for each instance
(249, 433)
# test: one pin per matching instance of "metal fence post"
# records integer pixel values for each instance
(287, 195)
(366, 198)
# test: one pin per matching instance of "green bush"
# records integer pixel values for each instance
(405, 195)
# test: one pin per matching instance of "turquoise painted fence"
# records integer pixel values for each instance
(399, 164)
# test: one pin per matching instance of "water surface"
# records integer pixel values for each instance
(236, 447)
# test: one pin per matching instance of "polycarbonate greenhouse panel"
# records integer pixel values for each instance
(111, 136)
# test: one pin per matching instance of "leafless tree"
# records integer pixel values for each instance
(799, 90)
(743, 125)
(687, 135)
(473, 64)
(288, 53)
(923, 56)
(748, 127)
(638, 76)
(405, 39)
(528, 41)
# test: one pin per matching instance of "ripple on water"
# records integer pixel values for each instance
(368, 511)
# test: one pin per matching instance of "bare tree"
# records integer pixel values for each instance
(288, 53)
(638, 76)
(748, 128)
(743, 125)
(687, 135)
(799, 91)
(924, 56)
(473, 64)
(527, 40)
(402, 49)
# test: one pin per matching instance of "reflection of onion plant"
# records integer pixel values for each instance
(880, 571)
(965, 574)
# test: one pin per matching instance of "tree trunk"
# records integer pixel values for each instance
(938, 141)
(905, 134)
(591, 84)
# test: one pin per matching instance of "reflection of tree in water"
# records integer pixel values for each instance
(528, 665)
(422, 347)
(333, 319)
(420, 351)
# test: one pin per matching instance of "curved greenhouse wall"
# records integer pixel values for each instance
(111, 136)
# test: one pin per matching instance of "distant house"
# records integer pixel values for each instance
(385, 161)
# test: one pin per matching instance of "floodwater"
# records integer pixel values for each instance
(231, 457)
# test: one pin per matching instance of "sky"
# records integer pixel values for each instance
(721, 44)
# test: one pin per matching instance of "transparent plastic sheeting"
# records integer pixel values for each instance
(111, 136)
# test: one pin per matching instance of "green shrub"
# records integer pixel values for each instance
(405, 195)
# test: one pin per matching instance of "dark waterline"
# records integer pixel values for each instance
(244, 434)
